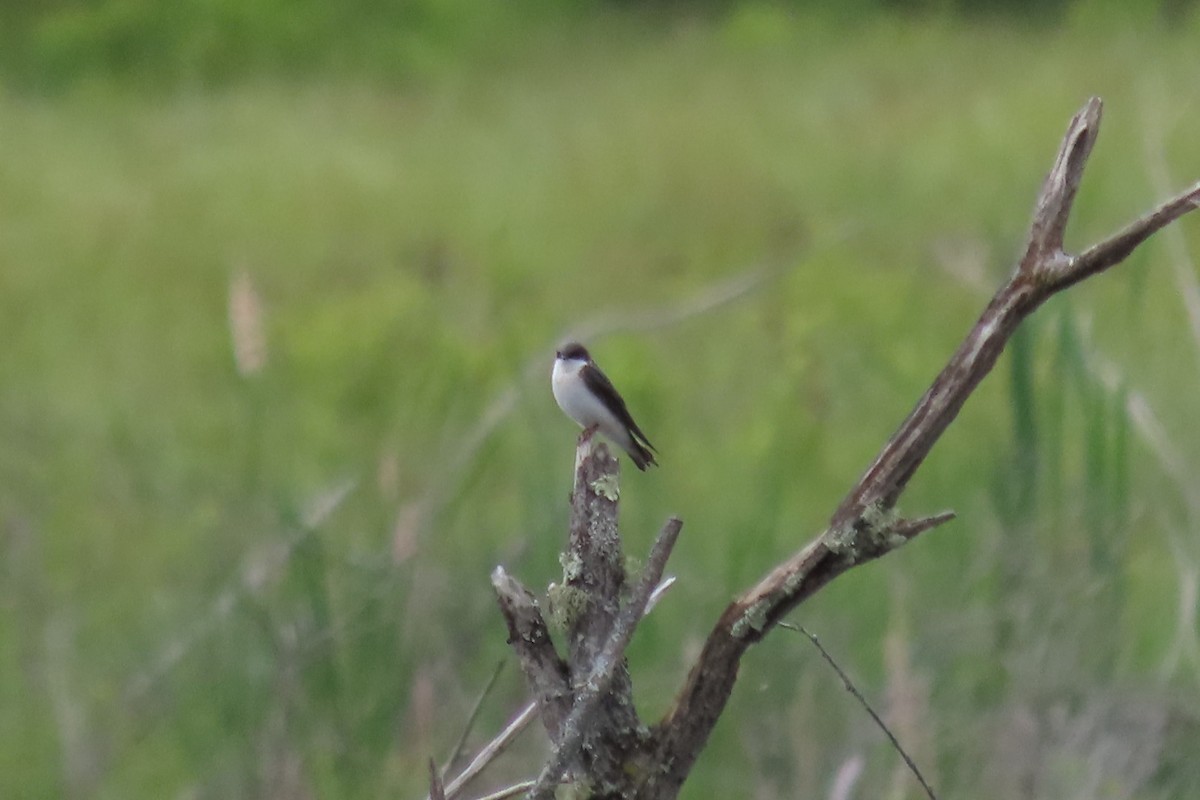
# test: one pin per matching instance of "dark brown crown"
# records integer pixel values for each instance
(574, 351)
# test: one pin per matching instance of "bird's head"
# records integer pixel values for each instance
(573, 351)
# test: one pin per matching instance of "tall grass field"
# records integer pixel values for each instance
(274, 401)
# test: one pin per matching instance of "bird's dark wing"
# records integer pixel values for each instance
(599, 383)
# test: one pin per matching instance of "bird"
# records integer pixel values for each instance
(586, 395)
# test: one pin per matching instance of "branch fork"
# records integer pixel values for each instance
(863, 527)
(586, 697)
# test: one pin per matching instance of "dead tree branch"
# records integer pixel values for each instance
(853, 690)
(511, 791)
(436, 790)
(586, 698)
(593, 690)
(490, 752)
(864, 527)
(545, 672)
(594, 577)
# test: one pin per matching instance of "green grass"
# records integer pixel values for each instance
(173, 622)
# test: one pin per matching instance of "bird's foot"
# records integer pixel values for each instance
(588, 433)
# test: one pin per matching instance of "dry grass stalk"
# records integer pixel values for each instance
(246, 325)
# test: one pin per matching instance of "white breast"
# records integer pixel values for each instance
(574, 398)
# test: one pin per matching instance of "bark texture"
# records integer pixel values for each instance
(586, 697)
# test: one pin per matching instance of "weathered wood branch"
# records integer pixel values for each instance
(436, 790)
(529, 636)
(491, 751)
(864, 526)
(595, 689)
(594, 574)
(586, 698)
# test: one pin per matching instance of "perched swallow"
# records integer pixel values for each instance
(588, 397)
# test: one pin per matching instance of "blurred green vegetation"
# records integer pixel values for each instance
(221, 41)
(272, 581)
(56, 43)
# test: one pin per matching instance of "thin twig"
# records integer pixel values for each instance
(852, 689)
(912, 528)
(490, 751)
(456, 751)
(591, 692)
(660, 590)
(511, 791)
(436, 790)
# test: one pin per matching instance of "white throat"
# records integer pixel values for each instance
(575, 398)
(567, 368)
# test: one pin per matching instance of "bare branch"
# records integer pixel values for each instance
(594, 563)
(912, 528)
(852, 689)
(491, 751)
(436, 790)
(1032, 284)
(865, 527)
(510, 791)
(497, 745)
(590, 736)
(1115, 249)
(545, 672)
(593, 690)
(1057, 197)
(660, 590)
